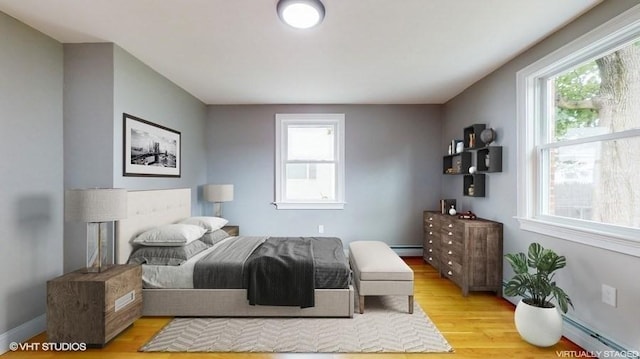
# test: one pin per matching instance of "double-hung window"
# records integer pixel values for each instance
(579, 139)
(310, 161)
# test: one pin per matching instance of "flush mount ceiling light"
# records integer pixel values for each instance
(301, 14)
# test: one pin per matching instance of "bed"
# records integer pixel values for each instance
(148, 209)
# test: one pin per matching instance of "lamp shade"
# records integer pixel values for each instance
(218, 192)
(95, 204)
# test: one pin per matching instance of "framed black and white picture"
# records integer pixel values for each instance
(149, 149)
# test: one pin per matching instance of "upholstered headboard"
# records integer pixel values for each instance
(147, 209)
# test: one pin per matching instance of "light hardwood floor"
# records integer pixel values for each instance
(478, 326)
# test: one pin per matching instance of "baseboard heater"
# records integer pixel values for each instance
(595, 343)
(407, 250)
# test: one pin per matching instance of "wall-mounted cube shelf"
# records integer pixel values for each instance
(474, 185)
(456, 164)
(489, 159)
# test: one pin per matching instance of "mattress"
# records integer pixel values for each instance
(331, 270)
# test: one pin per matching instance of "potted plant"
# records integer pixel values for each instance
(537, 319)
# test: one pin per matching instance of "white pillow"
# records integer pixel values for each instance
(210, 224)
(170, 235)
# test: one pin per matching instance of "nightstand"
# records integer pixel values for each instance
(93, 308)
(232, 230)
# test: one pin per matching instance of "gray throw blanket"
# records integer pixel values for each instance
(281, 272)
(222, 268)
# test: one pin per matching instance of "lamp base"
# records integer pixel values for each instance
(101, 269)
(97, 251)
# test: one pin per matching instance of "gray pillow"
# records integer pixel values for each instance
(214, 237)
(164, 255)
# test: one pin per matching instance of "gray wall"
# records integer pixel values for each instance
(101, 82)
(142, 92)
(493, 101)
(392, 171)
(88, 146)
(31, 177)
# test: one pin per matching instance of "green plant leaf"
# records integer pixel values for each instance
(538, 287)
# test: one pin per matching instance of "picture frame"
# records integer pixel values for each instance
(149, 149)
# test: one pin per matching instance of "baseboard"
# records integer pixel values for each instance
(23, 332)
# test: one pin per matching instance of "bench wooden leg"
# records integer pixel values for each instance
(361, 303)
(410, 304)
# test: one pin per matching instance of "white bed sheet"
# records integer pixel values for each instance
(174, 277)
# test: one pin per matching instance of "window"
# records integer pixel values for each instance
(309, 161)
(579, 139)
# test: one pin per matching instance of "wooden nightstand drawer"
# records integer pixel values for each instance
(232, 230)
(93, 308)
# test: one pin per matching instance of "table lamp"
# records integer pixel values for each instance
(218, 193)
(96, 206)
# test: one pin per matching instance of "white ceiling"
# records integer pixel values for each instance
(365, 51)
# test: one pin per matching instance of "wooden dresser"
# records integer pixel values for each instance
(93, 308)
(468, 252)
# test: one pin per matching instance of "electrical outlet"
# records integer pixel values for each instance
(609, 295)
(320, 228)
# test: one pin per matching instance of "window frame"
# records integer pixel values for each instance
(283, 121)
(532, 99)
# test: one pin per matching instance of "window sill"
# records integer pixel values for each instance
(622, 243)
(309, 205)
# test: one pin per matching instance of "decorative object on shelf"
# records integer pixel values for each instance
(471, 135)
(471, 190)
(218, 193)
(445, 204)
(467, 215)
(456, 147)
(452, 211)
(459, 147)
(472, 169)
(488, 135)
(450, 151)
(537, 319)
(96, 206)
(149, 149)
(487, 161)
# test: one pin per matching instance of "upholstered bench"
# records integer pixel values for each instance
(378, 270)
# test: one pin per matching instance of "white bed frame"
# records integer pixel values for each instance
(147, 209)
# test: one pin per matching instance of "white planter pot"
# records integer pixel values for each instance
(538, 326)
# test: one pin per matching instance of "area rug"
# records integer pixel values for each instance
(384, 327)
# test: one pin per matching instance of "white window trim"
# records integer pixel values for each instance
(624, 240)
(282, 120)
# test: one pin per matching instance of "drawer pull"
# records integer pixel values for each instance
(430, 241)
(450, 233)
(125, 300)
(450, 263)
(431, 218)
(430, 233)
(450, 225)
(450, 242)
(430, 258)
(430, 250)
(450, 252)
(450, 273)
(430, 224)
